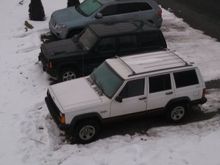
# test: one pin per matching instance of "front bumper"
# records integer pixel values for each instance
(55, 112)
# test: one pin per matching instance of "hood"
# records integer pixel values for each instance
(74, 95)
(56, 48)
(67, 16)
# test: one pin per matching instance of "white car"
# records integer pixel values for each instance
(126, 86)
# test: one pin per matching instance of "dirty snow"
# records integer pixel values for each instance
(29, 136)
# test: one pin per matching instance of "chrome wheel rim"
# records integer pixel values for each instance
(87, 132)
(178, 113)
(69, 75)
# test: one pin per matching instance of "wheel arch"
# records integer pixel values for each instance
(88, 116)
(180, 100)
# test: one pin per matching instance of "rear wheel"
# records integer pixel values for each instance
(67, 74)
(177, 112)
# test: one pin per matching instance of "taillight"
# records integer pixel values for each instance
(204, 92)
(49, 65)
(159, 13)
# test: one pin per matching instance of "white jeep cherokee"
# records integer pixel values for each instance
(129, 85)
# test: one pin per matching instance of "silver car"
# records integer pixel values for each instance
(66, 22)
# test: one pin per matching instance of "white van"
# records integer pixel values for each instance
(126, 86)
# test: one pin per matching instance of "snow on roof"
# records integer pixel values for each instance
(147, 62)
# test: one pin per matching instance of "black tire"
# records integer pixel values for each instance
(86, 131)
(67, 74)
(177, 113)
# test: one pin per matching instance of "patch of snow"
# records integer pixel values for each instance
(29, 135)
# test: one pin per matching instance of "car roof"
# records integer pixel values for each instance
(147, 63)
(102, 30)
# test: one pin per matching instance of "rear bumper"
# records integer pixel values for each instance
(55, 113)
(203, 100)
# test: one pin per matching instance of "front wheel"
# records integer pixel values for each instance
(177, 113)
(86, 131)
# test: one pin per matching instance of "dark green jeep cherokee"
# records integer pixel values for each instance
(78, 56)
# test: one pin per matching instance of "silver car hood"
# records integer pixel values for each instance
(66, 16)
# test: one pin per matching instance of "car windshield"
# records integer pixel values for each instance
(88, 39)
(88, 7)
(106, 79)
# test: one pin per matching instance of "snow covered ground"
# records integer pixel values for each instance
(29, 136)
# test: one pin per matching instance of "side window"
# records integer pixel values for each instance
(159, 83)
(109, 10)
(133, 88)
(186, 78)
(133, 7)
(125, 8)
(127, 42)
(150, 40)
(106, 45)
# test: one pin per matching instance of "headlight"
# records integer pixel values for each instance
(60, 27)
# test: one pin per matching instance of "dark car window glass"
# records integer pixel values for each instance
(125, 8)
(106, 45)
(88, 7)
(132, 7)
(106, 79)
(88, 39)
(152, 39)
(127, 42)
(109, 10)
(185, 78)
(159, 83)
(133, 88)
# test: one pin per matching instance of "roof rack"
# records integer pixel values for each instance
(153, 62)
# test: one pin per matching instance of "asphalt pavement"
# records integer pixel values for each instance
(203, 15)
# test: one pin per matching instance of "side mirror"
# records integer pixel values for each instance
(98, 15)
(118, 99)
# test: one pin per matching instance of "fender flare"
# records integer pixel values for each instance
(178, 100)
(92, 115)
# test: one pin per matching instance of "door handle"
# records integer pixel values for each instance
(169, 93)
(142, 98)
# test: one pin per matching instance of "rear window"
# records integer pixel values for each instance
(185, 78)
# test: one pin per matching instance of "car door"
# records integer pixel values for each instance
(160, 91)
(131, 98)
(105, 48)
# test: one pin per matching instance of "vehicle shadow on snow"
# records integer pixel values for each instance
(143, 124)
